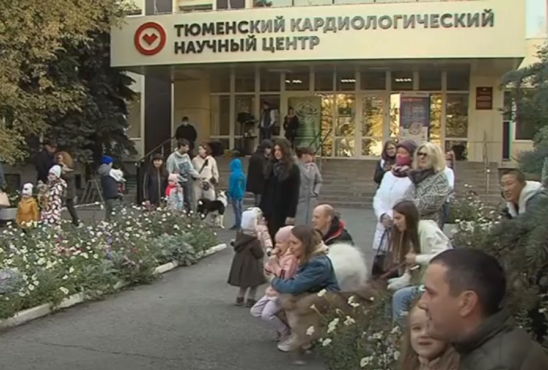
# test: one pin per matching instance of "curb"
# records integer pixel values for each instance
(25, 316)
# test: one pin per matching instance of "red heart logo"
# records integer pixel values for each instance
(150, 38)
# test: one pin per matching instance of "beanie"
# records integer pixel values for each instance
(283, 234)
(106, 160)
(27, 189)
(56, 170)
(173, 177)
(249, 220)
(408, 145)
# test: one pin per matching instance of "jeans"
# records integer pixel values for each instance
(401, 302)
(237, 205)
(72, 211)
(266, 309)
(188, 192)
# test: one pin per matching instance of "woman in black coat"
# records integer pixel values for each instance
(155, 182)
(255, 171)
(281, 188)
(291, 126)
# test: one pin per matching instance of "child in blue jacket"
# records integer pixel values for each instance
(236, 190)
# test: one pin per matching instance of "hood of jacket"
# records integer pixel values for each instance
(236, 165)
(531, 189)
(104, 169)
(243, 241)
(337, 232)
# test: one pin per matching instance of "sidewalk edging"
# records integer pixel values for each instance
(22, 317)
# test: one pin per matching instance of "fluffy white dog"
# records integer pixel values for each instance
(349, 265)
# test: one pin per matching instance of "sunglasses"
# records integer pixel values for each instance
(422, 154)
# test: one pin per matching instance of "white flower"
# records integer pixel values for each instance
(366, 361)
(71, 270)
(64, 290)
(310, 330)
(352, 302)
(322, 292)
(326, 342)
(332, 325)
(349, 321)
(31, 287)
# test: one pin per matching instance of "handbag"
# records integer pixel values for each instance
(4, 200)
(205, 184)
(379, 267)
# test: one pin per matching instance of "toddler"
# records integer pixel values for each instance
(28, 212)
(174, 194)
(262, 230)
(247, 271)
(282, 264)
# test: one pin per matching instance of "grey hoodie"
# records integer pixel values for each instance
(182, 165)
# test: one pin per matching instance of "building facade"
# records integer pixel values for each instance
(356, 74)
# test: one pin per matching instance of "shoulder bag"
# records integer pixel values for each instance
(205, 184)
(4, 200)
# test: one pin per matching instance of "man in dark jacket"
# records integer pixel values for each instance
(256, 168)
(463, 293)
(109, 187)
(44, 160)
(188, 132)
(326, 221)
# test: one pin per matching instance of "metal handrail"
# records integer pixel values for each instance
(151, 152)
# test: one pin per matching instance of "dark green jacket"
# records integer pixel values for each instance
(499, 345)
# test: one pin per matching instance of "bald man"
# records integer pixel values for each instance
(326, 221)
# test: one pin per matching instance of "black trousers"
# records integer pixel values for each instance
(71, 208)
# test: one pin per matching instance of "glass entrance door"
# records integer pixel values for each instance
(373, 124)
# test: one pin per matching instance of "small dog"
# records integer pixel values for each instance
(215, 209)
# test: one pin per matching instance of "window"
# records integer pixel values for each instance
(323, 80)
(430, 80)
(134, 118)
(346, 80)
(373, 80)
(297, 81)
(245, 81)
(458, 80)
(270, 81)
(402, 81)
(220, 81)
(220, 115)
(456, 123)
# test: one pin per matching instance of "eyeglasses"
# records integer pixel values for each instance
(422, 154)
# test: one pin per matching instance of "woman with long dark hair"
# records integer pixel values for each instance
(387, 161)
(414, 243)
(281, 188)
(155, 182)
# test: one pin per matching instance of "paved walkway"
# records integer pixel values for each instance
(185, 321)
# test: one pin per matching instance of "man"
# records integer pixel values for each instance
(326, 221)
(188, 132)
(268, 120)
(464, 290)
(520, 194)
(179, 162)
(44, 160)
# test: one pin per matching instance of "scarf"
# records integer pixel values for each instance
(401, 171)
(418, 176)
(277, 168)
(170, 189)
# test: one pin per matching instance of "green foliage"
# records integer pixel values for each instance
(364, 338)
(48, 264)
(529, 88)
(38, 40)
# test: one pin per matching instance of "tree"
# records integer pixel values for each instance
(100, 124)
(529, 89)
(33, 36)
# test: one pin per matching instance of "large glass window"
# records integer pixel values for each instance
(430, 80)
(134, 118)
(274, 102)
(220, 81)
(372, 125)
(436, 105)
(220, 115)
(458, 80)
(456, 116)
(245, 80)
(327, 124)
(323, 79)
(402, 81)
(345, 128)
(346, 80)
(270, 81)
(373, 80)
(297, 80)
(245, 104)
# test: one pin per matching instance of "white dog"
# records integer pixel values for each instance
(350, 266)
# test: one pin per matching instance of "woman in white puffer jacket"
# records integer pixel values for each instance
(391, 190)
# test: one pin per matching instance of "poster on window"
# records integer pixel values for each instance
(415, 117)
(309, 113)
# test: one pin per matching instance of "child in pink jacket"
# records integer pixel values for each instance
(284, 265)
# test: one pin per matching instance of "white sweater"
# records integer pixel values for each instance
(209, 171)
(390, 191)
(432, 240)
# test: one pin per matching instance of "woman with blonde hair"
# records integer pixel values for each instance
(66, 162)
(422, 352)
(429, 184)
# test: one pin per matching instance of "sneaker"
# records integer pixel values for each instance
(250, 302)
(239, 301)
(286, 345)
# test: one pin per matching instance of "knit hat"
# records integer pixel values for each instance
(173, 177)
(56, 170)
(283, 234)
(157, 157)
(106, 160)
(249, 220)
(27, 189)
(408, 145)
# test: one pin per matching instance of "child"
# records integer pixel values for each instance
(246, 271)
(284, 265)
(421, 351)
(262, 230)
(54, 204)
(110, 185)
(28, 212)
(236, 190)
(174, 194)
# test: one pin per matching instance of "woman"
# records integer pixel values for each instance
(392, 189)
(67, 174)
(311, 183)
(314, 274)
(255, 171)
(422, 352)
(291, 126)
(415, 242)
(429, 185)
(387, 161)
(281, 188)
(205, 164)
(450, 174)
(155, 182)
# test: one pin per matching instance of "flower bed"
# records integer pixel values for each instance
(48, 265)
